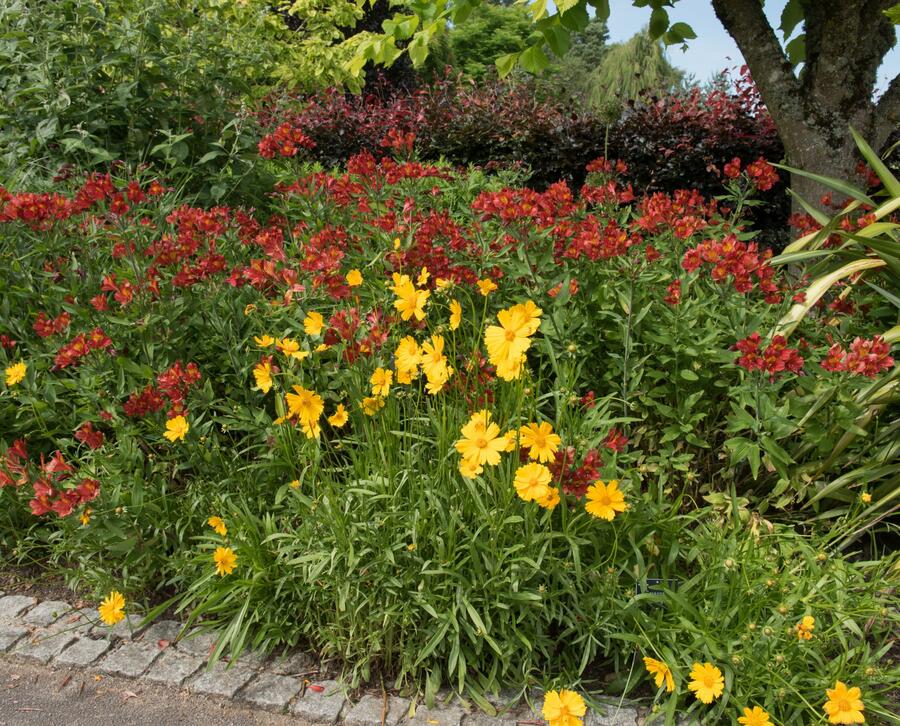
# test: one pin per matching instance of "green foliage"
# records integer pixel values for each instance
(632, 69)
(487, 33)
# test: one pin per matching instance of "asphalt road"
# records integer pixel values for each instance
(41, 696)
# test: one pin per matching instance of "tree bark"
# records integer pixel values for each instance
(845, 43)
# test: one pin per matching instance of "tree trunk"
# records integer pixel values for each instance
(845, 43)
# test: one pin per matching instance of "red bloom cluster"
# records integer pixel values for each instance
(865, 357)
(510, 205)
(575, 480)
(602, 165)
(45, 327)
(740, 260)
(615, 441)
(775, 358)
(7, 343)
(89, 436)
(685, 212)
(286, 140)
(173, 384)
(587, 238)
(399, 141)
(82, 344)
(14, 466)
(732, 169)
(762, 173)
(673, 293)
(49, 495)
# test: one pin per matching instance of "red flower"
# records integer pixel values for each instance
(776, 358)
(673, 293)
(89, 436)
(616, 441)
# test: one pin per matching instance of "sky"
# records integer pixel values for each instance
(713, 49)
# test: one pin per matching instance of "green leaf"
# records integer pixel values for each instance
(689, 375)
(678, 33)
(659, 22)
(505, 64)
(839, 186)
(893, 14)
(601, 9)
(576, 19)
(796, 50)
(791, 16)
(533, 59)
(558, 39)
(889, 180)
(418, 50)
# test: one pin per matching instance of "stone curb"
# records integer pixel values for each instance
(54, 633)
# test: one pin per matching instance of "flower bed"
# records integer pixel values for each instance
(452, 431)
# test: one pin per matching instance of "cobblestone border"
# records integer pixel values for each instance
(53, 632)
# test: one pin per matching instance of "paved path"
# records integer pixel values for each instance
(32, 695)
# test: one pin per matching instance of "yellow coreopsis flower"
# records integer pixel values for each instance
(263, 341)
(218, 524)
(339, 417)
(15, 373)
(532, 482)
(407, 357)
(455, 314)
(755, 716)
(563, 708)
(262, 373)
(508, 342)
(550, 500)
(660, 672)
(176, 428)
(225, 560)
(434, 364)
(372, 405)
(112, 609)
(85, 517)
(291, 347)
(486, 286)
(307, 407)
(381, 381)
(540, 441)
(481, 442)
(443, 283)
(470, 468)
(805, 628)
(706, 682)
(865, 497)
(844, 705)
(313, 323)
(410, 302)
(295, 484)
(354, 278)
(605, 500)
(422, 280)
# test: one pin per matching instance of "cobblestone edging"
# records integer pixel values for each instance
(54, 633)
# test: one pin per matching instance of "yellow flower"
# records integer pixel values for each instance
(755, 716)
(604, 500)
(381, 382)
(86, 516)
(660, 672)
(262, 373)
(307, 407)
(218, 524)
(354, 278)
(225, 560)
(410, 301)
(112, 609)
(249, 308)
(481, 442)
(470, 468)
(486, 286)
(540, 441)
(313, 323)
(512, 438)
(706, 682)
(805, 628)
(422, 280)
(455, 314)
(407, 357)
(443, 283)
(176, 428)
(508, 342)
(563, 708)
(865, 497)
(372, 405)
(295, 484)
(551, 500)
(339, 417)
(844, 705)
(15, 373)
(532, 482)
(396, 243)
(291, 347)
(322, 347)
(434, 364)
(263, 341)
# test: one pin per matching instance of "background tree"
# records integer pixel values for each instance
(631, 69)
(492, 30)
(816, 87)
